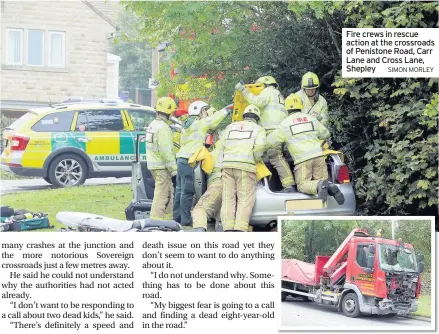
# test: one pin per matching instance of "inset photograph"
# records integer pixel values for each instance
(363, 274)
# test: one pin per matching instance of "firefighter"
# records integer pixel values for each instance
(271, 104)
(244, 143)
(192, 139)
(304, 136)
(160, 158)
(210, 203)
(313, 103)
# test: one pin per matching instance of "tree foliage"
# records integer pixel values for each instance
(387, 128)
(304, 239)
(135, 53)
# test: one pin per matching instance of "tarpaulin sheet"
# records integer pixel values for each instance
(298, 271)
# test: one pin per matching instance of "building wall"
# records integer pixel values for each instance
(86, 47)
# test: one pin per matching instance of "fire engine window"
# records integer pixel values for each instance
(140, 119)
(362, 255)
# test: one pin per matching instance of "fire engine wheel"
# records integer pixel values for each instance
(350, 305)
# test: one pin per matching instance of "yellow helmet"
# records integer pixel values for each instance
(267, 80)
(166, 105)
(252, 109)
(293, 102)
(310, 80)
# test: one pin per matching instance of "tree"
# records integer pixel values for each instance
(135, 53)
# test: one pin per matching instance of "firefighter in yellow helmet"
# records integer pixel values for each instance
(271, 104)
(160, 159)
(192, 139)
(313, 103)
(304, 136)
(244, 143)
(209, 203)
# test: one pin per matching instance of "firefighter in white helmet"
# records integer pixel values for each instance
(243, 146)
(192, 139)
(271, 104)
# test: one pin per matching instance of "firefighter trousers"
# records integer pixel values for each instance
(163, 200)
(278, 161)
(208, 205)
(239, 196)
(184, 193)
(309, 173)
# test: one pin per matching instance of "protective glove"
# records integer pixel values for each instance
(229, 109)
(174, 181)
(240, 86)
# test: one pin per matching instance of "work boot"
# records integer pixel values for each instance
(197, 229)
(322, 190)
(336, 193)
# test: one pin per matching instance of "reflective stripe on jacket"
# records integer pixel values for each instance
(303, 134)
(193, 137)
(243, 145)
(272, 105)
(319, 110)
(160, 146)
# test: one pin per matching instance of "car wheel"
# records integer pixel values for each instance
(47, 180)
(350, 305)
(284, 296)
(68, 170)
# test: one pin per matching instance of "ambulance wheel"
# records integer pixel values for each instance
(68, 170)
(47, 179)
(350, 305)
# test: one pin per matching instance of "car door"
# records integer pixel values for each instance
(102, 134)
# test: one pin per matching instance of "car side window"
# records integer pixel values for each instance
(56, 122)
(141, 118)
(99, 120)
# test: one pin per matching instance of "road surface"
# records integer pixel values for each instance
(14, 186)
(299, 314)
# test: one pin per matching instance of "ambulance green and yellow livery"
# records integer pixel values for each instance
(67, 143)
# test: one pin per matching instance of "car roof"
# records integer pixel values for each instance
(88, 106)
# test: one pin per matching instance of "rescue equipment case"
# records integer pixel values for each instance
(138, 210)
(240, 103)
(29, 224)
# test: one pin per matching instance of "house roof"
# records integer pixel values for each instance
(105, 9)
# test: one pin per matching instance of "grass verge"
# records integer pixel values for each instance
(107, 200)
(424, 306)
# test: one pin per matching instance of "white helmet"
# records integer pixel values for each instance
(195, 108)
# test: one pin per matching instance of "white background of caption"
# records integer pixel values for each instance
(430, 66)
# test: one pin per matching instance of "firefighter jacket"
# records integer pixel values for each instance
(319, 110)
(160, 147)
(216, 155)
(271, 103)
(303, 134)
(244, 144)
(194, 133)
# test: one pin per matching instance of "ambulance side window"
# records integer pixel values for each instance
(140, 119)
(99, 120)
(56, 122)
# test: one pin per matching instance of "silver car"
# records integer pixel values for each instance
(270, 202)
